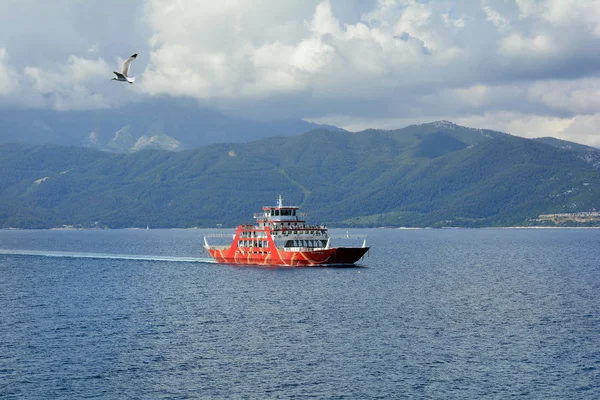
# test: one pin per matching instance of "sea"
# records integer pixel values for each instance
(426, 314)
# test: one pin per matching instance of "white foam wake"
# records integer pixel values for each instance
(46, 253)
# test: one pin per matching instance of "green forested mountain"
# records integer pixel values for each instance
(436, 174)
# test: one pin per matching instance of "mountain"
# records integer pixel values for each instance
(160, 124)
(430, 175)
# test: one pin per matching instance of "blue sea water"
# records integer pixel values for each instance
(428, 314)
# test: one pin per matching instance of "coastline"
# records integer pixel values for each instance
(346, 228)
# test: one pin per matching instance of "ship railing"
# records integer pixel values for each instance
(284, 218)
(219, 247)
(297, 249)
(219, 235)
(301, 228)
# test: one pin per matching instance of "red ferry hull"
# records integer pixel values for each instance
(333, 256)
(281, 237)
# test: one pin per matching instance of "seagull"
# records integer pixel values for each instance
(122, 76)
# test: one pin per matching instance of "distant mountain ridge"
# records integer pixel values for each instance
(431, 175)
(158, 124)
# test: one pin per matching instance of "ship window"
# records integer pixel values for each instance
(293, 212)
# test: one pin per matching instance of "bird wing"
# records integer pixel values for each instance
(126, 64)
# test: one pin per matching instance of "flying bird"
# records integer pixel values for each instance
(122, 76)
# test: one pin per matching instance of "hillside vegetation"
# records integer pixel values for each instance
(430, 175)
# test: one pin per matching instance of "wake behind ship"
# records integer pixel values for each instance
(281, 237)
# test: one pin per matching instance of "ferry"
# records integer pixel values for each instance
(281, 237)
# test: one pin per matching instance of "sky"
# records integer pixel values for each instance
(525, 67)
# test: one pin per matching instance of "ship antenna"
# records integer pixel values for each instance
(280, 201)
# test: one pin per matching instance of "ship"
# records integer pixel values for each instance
(281, 237)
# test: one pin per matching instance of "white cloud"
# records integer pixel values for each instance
(516, 123)
(563, 12)
(583, 129)
(523, 65)
(8, 77)
(320, 56)
(579, 129)
(580, 96)
(67, 86)
(501, 23)
(516, 45)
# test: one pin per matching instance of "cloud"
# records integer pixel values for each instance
(305, 55)
(574, 97)
(579, 129)
(222, 52)
(516, 45)
(501, 23)
(352, 62)
(67, 87)
(55, 51)
(74, 85)
(8, 77)
(563, 13)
